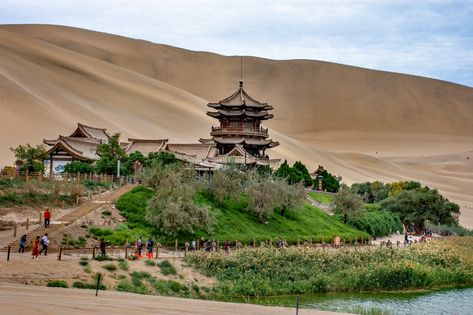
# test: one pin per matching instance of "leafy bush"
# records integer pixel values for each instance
(123, 264)
(167, 268)
(84, 285)
(375, 221)
(110, 267)
(103, 258)
(79, 167)
(150, 262)
(57, 283)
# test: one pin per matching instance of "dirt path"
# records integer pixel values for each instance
(69, 218)
(25, 300)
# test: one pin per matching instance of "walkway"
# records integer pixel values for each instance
(73, 216)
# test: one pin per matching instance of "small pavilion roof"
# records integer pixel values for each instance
(243, 140)
(240, 98)
(84, 131)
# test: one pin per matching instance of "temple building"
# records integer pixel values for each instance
(240, 118)
(238, 139)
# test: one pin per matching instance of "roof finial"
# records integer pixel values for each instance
(241, 83)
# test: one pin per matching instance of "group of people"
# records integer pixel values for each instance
(42, 242)
(148, 245)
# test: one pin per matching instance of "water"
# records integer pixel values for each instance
(451, 302)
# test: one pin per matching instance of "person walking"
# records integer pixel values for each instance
(139, 246)
(193, 245)
(102, 246)
(35, 251)
(47, 218)
(22, 244)
(149, 248)
(44, 243)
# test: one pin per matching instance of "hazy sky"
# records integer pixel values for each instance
(422, 37)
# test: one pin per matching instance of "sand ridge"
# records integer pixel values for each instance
(360, 123)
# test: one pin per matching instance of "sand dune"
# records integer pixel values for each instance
(360, 123)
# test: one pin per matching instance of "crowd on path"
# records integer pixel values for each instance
(41, 243)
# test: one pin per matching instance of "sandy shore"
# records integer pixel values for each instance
(26, 300)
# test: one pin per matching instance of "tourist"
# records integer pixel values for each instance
(139, 246)
(389, 243)
(214, 246)
(35, 251)
(193, 245)
(22, 244)
(44, 244)
(47, 218)
(149, 248)
(406, 239)
(102, 246)
(202, 244)
(227, 246)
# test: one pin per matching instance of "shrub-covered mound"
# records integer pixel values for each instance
(439, 263)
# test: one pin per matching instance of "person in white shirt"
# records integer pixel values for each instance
(44, 244)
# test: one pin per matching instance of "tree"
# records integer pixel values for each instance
(132, 158)
(226, 184)
(295, 174)
(161, 157)
(32, 157)
(79, 167)
(110, 153)
(347, 203)
(262, 196)
(416, 206)
(289, 196)
(329, 182)
(172, 209)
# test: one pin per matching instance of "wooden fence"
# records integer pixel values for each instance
(67, 177)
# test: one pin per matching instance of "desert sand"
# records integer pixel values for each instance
(362, 124)
(25, 300)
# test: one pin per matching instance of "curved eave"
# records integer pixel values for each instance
(73, 152)
(219, 114)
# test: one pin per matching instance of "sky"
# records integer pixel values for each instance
(421, 37)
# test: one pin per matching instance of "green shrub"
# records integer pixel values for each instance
(167, 268)
(84, 285)
(57, 283)
(103, 258)
(123, 264)
(83, 263)
(110, 267)
(107, 213)
(150, 262)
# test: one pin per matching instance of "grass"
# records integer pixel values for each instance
(321, 197)
(167, 268)
(110, 267)
(144, 283)
(265, 272)
(233, 223)
(123, 264)
(57, 284)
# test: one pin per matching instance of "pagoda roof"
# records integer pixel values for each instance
(240, 98)
(243, 140)
(235, 113)
(79, 148)
(145, 146)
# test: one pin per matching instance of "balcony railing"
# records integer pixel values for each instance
(220, 131)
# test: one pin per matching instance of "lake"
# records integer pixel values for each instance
(451, 302)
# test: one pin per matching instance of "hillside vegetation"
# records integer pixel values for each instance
(231, 223)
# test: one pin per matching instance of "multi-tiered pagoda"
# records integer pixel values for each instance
(240, 127)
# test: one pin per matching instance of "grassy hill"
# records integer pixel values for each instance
(232, 223)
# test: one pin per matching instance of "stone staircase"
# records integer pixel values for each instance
(69, 218)
(326, 207)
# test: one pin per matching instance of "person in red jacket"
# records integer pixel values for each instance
(47, 218)
(35, 251)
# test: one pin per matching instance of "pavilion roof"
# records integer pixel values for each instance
(261, 115)
(90, 132)
(199, 151)
(80, 148)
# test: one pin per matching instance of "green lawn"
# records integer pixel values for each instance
(321, 196)
(233, 222)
